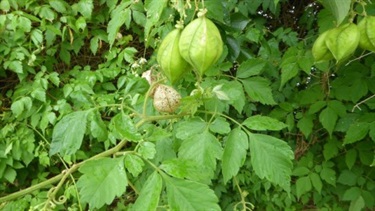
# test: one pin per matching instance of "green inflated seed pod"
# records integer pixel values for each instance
(320, 50)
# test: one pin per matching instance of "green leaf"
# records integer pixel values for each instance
(85, 7)
(289, 69)
(220, 125)
(263, 123)
(339, 8)
(189, 169)
(303, 185)
(356, 132)
(68, 133)
(102, 180)
(259, 89)
(58, 5)
(147, 150)
(234, 156)
(250, 67)
(122, 127)
(20, 105)
(357, 204)
(118, 18)
(300, 171)
(338, 107)
(204, 148)
(149, 196)
(372, 131)
(236, 94)
(328, 118)
(134, 164)
(316, 182)
(189, 195)
(154, 10)
(351, 194)
(10, 174)
(330, 149)
(271, 158)
(305, 124)
(347, 178)
(328, 175)
(16, 66)
(98, 128)
(129, 54)
(189, 128)
(350, 158)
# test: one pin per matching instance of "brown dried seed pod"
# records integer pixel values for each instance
(166, 99)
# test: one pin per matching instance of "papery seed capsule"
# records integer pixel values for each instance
(166, 99)
(201, 44)
(320, 51)
(367, 34)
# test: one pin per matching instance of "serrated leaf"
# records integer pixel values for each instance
(357, 204)
(356, 132)
(347, 178)
(300, 171)
(154, 10)
(350, 158)
(98, 128)
(316, 182)
(189, 195)
(339, 8)
(263, 123)
(234, 155)
(118, 18)
(328, 175)
(58, 5)
(147, 150)
(259, 90)
(338, 107)
(134, 164)
(236, 94)
(189, 169)
(204, 148)
(351, 194)
(102, 180)
(289, 71)
(190, 127)
(330, 149)
(68, 133)
(303, 185)
(271, 158)
(85, 7)
(328, 118)
(122, 127)
(250, 67)
(220, 125)
(149, 196)
(305, 124)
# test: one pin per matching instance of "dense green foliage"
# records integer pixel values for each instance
(266, 127)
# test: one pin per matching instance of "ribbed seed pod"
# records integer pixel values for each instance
(201, 44)
(172, 64)
(367, 34)
(320, 50)
(343, 41)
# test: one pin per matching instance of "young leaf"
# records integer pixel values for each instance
(356, 132)
(204, 148)
(68, 133)
(328, 118)
(263, 123)
(154, 10)
(85, 8)
(303, 185)
(102, 180)
(259, 90)
(189, 195)
(134, 164)
(234, 155)
(147, 150)
(271, 158)
(220, 125)
(149, 196)
(122, 127)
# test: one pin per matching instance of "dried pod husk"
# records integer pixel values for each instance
(320, 50)
(172, 64)
(367, 34)
(201, 44)
(343, 41)
(166, 99)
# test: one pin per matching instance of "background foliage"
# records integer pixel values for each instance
(267, 128)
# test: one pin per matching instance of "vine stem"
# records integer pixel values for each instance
(64, 174)
(360, 103)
